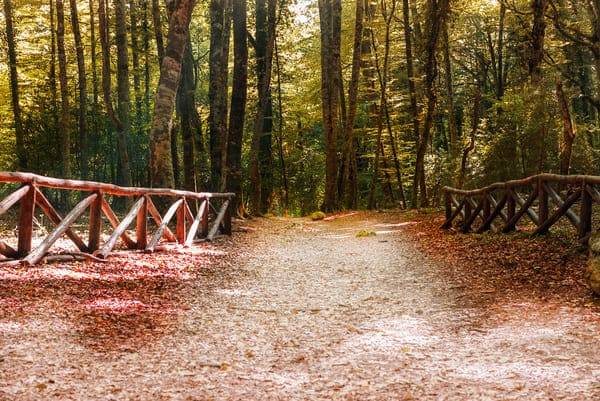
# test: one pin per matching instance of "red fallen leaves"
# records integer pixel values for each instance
(512, 265)
(118, 305)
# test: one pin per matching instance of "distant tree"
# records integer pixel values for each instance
(14, 86)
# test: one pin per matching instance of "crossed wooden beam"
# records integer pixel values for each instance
(511, 207)
(188, 226)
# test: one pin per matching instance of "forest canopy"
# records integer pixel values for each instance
(299, 105)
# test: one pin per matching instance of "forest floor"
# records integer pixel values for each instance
(294, 309)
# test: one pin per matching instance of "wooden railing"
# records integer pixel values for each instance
(543, 199)
(213, 208)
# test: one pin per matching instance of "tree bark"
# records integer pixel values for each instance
(569, 132)
(233, 179)
(412, 91)
(452, 128)
(329, 98)
(474, 126)
(437, 11)
(160, 147)
(538, 33)
(65, 129)
(123, 101)
(52, 69)
(187, 110)
(135, 59)
(14, 87)
(349, 151)
(220, 26)
(82, 109)
(265, 37)
(146, 46)
(158, 35)
(383, 78)
(284, 177)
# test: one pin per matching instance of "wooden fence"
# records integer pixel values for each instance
(213, 208)
(543, 199)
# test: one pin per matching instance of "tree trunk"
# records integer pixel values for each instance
(329, 98)
(65, 130)
(500, 68)
(158, 35)
(349, 151)
(14, 86)
(160, 147)
(220, 26)
(175, 149)
(187, 109)
(437, 10)
(569, 132)
(82, 109)
(538, 33)
(93, 57)
(383, 77)
(474, 126)
(265, 36)
(452, 128)
(135, 59)
(52, 69)
(284, 177)
(233, 179)
(95, 125)
(146, 45)
(412, 91)
(124, 175)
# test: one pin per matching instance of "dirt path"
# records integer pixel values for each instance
(298, 310)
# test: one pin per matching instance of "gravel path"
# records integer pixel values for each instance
(300, 310)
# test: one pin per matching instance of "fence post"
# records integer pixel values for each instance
(543, 202)
(467, 216)
(487, 209)
(448, 204)
(511, 204)
(204, 221)
(141, 225)
(95, 223)
(585, 214)
(227, 219)
(26, 221)
(180, 228)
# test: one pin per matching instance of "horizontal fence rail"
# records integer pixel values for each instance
(213, 215)
(543, 199)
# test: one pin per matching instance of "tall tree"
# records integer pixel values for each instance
(220, 28)
(81, 79)
(124, 174)
(161, 167)
(238, 100)
(412, 89)
(65, 126)
(350, 173)
(123, 99)
(538, 34)
(261, 157)
(14, 86)
(328, 16)
(437, 11)
(93, 56)
(135, 58)
(382, 72)
(187, 111)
